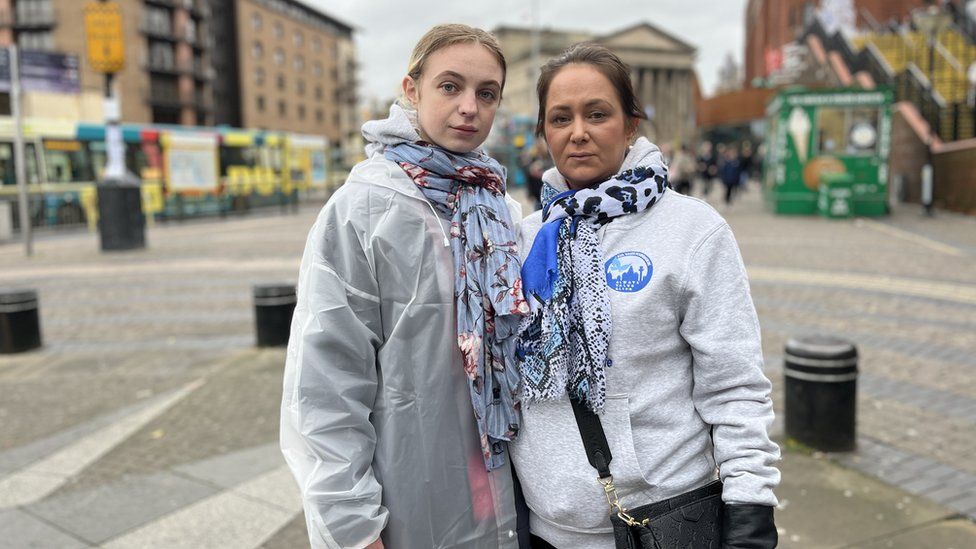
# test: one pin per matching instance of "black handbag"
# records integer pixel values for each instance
(689, 520)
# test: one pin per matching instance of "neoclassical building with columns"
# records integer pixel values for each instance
(661, 70)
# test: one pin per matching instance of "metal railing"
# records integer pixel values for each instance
(874, 63)
(962, 21)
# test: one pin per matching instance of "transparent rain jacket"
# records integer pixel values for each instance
(376, 420)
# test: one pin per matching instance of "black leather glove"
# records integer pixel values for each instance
(748, 527)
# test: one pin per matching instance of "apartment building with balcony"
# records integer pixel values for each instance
(284, 65)
(166, 78)
(265, 64)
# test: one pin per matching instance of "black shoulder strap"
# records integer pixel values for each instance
(594, 439)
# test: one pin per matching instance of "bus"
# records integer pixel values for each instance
(184, 171)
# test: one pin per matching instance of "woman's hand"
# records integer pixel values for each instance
(378, 544)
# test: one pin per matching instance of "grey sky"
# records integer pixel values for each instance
(387, 30)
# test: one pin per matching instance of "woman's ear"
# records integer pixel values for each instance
(410, 90)
(632, 134)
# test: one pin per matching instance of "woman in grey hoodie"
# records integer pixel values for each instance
(641, 311)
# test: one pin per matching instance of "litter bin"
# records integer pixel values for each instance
(274, 305)
(836, 198)
(821, 392)
(121, 223)
(20, 326)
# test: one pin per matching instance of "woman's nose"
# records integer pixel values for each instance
(468, 105)
(579, 134)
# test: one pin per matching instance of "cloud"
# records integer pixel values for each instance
(387, 30)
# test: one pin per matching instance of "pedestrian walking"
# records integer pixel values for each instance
(730, 173)
(643, 329)
(707, 166)
(682, 169)
(400, 389)
(747, 165)
(535, 161)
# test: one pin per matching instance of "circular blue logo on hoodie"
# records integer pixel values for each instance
(628, 271)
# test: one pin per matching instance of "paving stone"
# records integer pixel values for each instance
(105, 511)
(231, 469)
(922, 485)
(22, 531)
(965, 505)
(953, 491)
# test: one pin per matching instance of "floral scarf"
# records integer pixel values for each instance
(470, 190)
(563, 346)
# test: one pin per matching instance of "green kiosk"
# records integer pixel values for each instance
(827, 152)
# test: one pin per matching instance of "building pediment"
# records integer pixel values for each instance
(647, 37)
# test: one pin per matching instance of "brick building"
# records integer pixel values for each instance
(288, 67)
(269, 64)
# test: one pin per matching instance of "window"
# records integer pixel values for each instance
(298, 38)
(161, 55)
(67, 161)
(190, 31)
(279, 56)
(158, 20)
(34, 11)
(260, 103)
(319, 115)
(317, 68)
(847, 131)
(282, 108)
(299, 63)
(300, 87)
(257, 50)
(281, 82)
(318, 93)
(256, 21)
(279, 29)
(316, 44)
(37, 41)
(301, 112)
(259, 76)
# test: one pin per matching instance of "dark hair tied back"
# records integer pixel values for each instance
(605, 61)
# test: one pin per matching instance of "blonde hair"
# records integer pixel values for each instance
(443, 36)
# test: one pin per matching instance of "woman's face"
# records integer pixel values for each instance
(585, 125)
(456, 96)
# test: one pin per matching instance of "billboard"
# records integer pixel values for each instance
(42, 71)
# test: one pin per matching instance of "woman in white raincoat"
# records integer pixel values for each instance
(399, 391)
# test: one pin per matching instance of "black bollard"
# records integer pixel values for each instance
(821, 392)
(273, 308)
(20, 325)
(121, 223)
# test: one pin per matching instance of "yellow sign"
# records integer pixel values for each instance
(103, 30)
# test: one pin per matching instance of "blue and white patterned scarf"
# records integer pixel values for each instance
(470, 190)
(563, 346)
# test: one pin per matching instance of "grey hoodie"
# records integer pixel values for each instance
(686, 361)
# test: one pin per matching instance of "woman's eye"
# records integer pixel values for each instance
(559, 120)
(449, 87)
(598, 115)
(487, 95)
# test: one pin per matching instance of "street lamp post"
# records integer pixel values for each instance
(930, 20)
